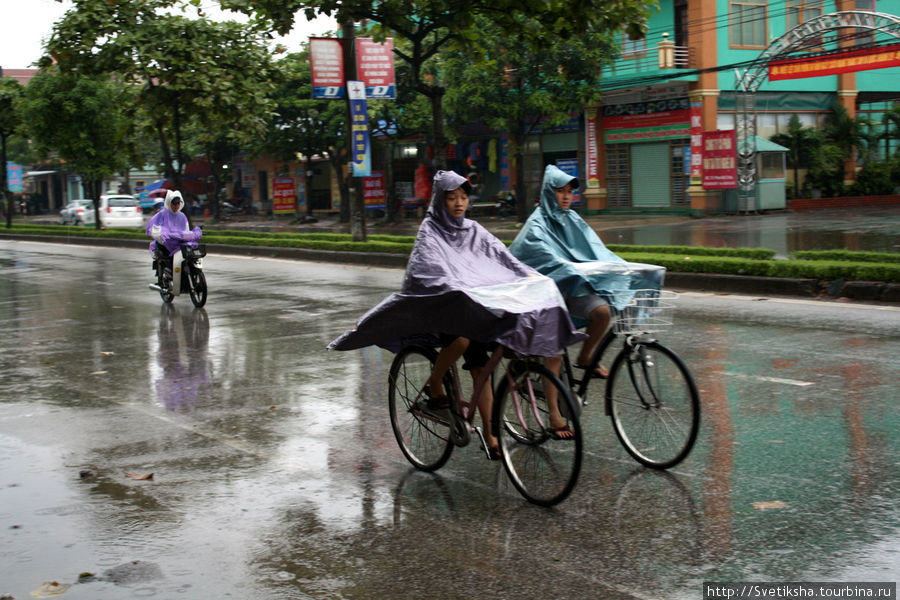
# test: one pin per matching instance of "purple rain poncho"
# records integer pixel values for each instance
(173, 232)
(462, 281)
(561, 245)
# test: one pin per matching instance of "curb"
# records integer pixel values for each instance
(866, 291)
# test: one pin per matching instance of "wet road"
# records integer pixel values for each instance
(276, 474)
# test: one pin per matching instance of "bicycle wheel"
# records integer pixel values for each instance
(423, 438)
(654, 405)
(544, 468)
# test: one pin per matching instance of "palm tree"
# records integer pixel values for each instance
(891, 123)
(801, 143)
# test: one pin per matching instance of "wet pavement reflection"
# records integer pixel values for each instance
(275, 473)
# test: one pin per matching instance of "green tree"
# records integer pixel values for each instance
(891, 129)
(214, 76)
(801, 143)
(301, 124)
(79, 119)
(10, 121)
(522, 90)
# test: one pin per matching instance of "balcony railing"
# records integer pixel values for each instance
(664, 55)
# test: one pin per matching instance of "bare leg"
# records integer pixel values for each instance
(448, 355)
(485, 406)
(557, 421)
(598, 323)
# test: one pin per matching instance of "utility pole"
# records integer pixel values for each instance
(357, 200)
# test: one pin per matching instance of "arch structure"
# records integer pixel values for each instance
(748, 81)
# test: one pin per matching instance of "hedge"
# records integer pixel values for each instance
(847, 255)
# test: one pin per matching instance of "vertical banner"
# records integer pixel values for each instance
(14, 181)
(375, 68)
(284, 194)
(591, 151)
(719, 159)
(696, 142)
(326, 63)
(360, 155)
(373, 190)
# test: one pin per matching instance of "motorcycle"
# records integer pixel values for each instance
(506, 204)
(181, 271)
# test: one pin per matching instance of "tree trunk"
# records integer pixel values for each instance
(436, 96)
(4, 193)
(390, 198)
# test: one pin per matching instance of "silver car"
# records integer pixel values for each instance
(77, 212)
(120, 210)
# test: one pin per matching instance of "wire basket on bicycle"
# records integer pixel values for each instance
(645, 311)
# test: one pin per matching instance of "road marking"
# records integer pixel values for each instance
(796, 382)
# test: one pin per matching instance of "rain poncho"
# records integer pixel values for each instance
(170, 228)
(561, 245)
(462, 281)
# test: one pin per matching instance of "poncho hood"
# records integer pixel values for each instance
(558, 242)
(170, 195)
(447, 181)
(462, 281)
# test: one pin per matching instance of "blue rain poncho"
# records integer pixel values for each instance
(462, 281)
(561, 245)
(170, 227)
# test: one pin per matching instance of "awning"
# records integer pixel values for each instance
(37, 173)
(152, 186)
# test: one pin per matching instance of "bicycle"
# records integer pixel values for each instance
(650, 394)
(543, 467)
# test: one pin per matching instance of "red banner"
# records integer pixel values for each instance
(719, 159)
(284, 195)
(696, 142)
(326, 63)
(375, 67)
(845, 62)
(591, 149)
(373, 190)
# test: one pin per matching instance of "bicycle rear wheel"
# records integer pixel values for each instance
(423, 438)
(654, 405)
(543, 467)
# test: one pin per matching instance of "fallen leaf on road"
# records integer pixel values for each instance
(768, 505)
(107, 354)
(139, 476)
(50, 588)
(97, 373)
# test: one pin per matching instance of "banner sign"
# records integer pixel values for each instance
(844, 62)
(14, 181)
(646, 121)
(375, 67)
(284, 195)
(326, 63)
(373, 190)
(360, 155)
(696, 166)
(719, 159)
(591, 151)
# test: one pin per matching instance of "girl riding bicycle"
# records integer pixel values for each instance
(463, 290)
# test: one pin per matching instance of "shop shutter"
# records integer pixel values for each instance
(650, 184)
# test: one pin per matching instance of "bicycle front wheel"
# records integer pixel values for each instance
(654, 405)
(541, 463)
(423, 438)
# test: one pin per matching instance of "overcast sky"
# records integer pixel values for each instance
(27, 24)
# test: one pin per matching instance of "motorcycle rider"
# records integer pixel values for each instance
(169, 228)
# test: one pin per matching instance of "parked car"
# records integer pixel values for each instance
(120, 210)
(77, 212)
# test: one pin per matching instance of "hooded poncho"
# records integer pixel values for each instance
(173, 232)
(561, 245)
(462, 281)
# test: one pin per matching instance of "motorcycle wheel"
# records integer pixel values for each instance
(198, 287)
(165, 293)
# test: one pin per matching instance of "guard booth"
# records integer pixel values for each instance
(771, 169)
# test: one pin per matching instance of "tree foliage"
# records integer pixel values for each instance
(215, 77)
(522, 90)
(79, 119)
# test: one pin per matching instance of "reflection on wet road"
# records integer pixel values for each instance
(276, 474)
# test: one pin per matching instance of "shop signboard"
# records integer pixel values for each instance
(719, 160)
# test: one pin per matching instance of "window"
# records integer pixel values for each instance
(618, 176)
(801, 11)
(633, 48)
(748, 23)
(864, 36)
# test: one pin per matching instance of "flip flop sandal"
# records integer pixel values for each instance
(556, 433)
(597, 374)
